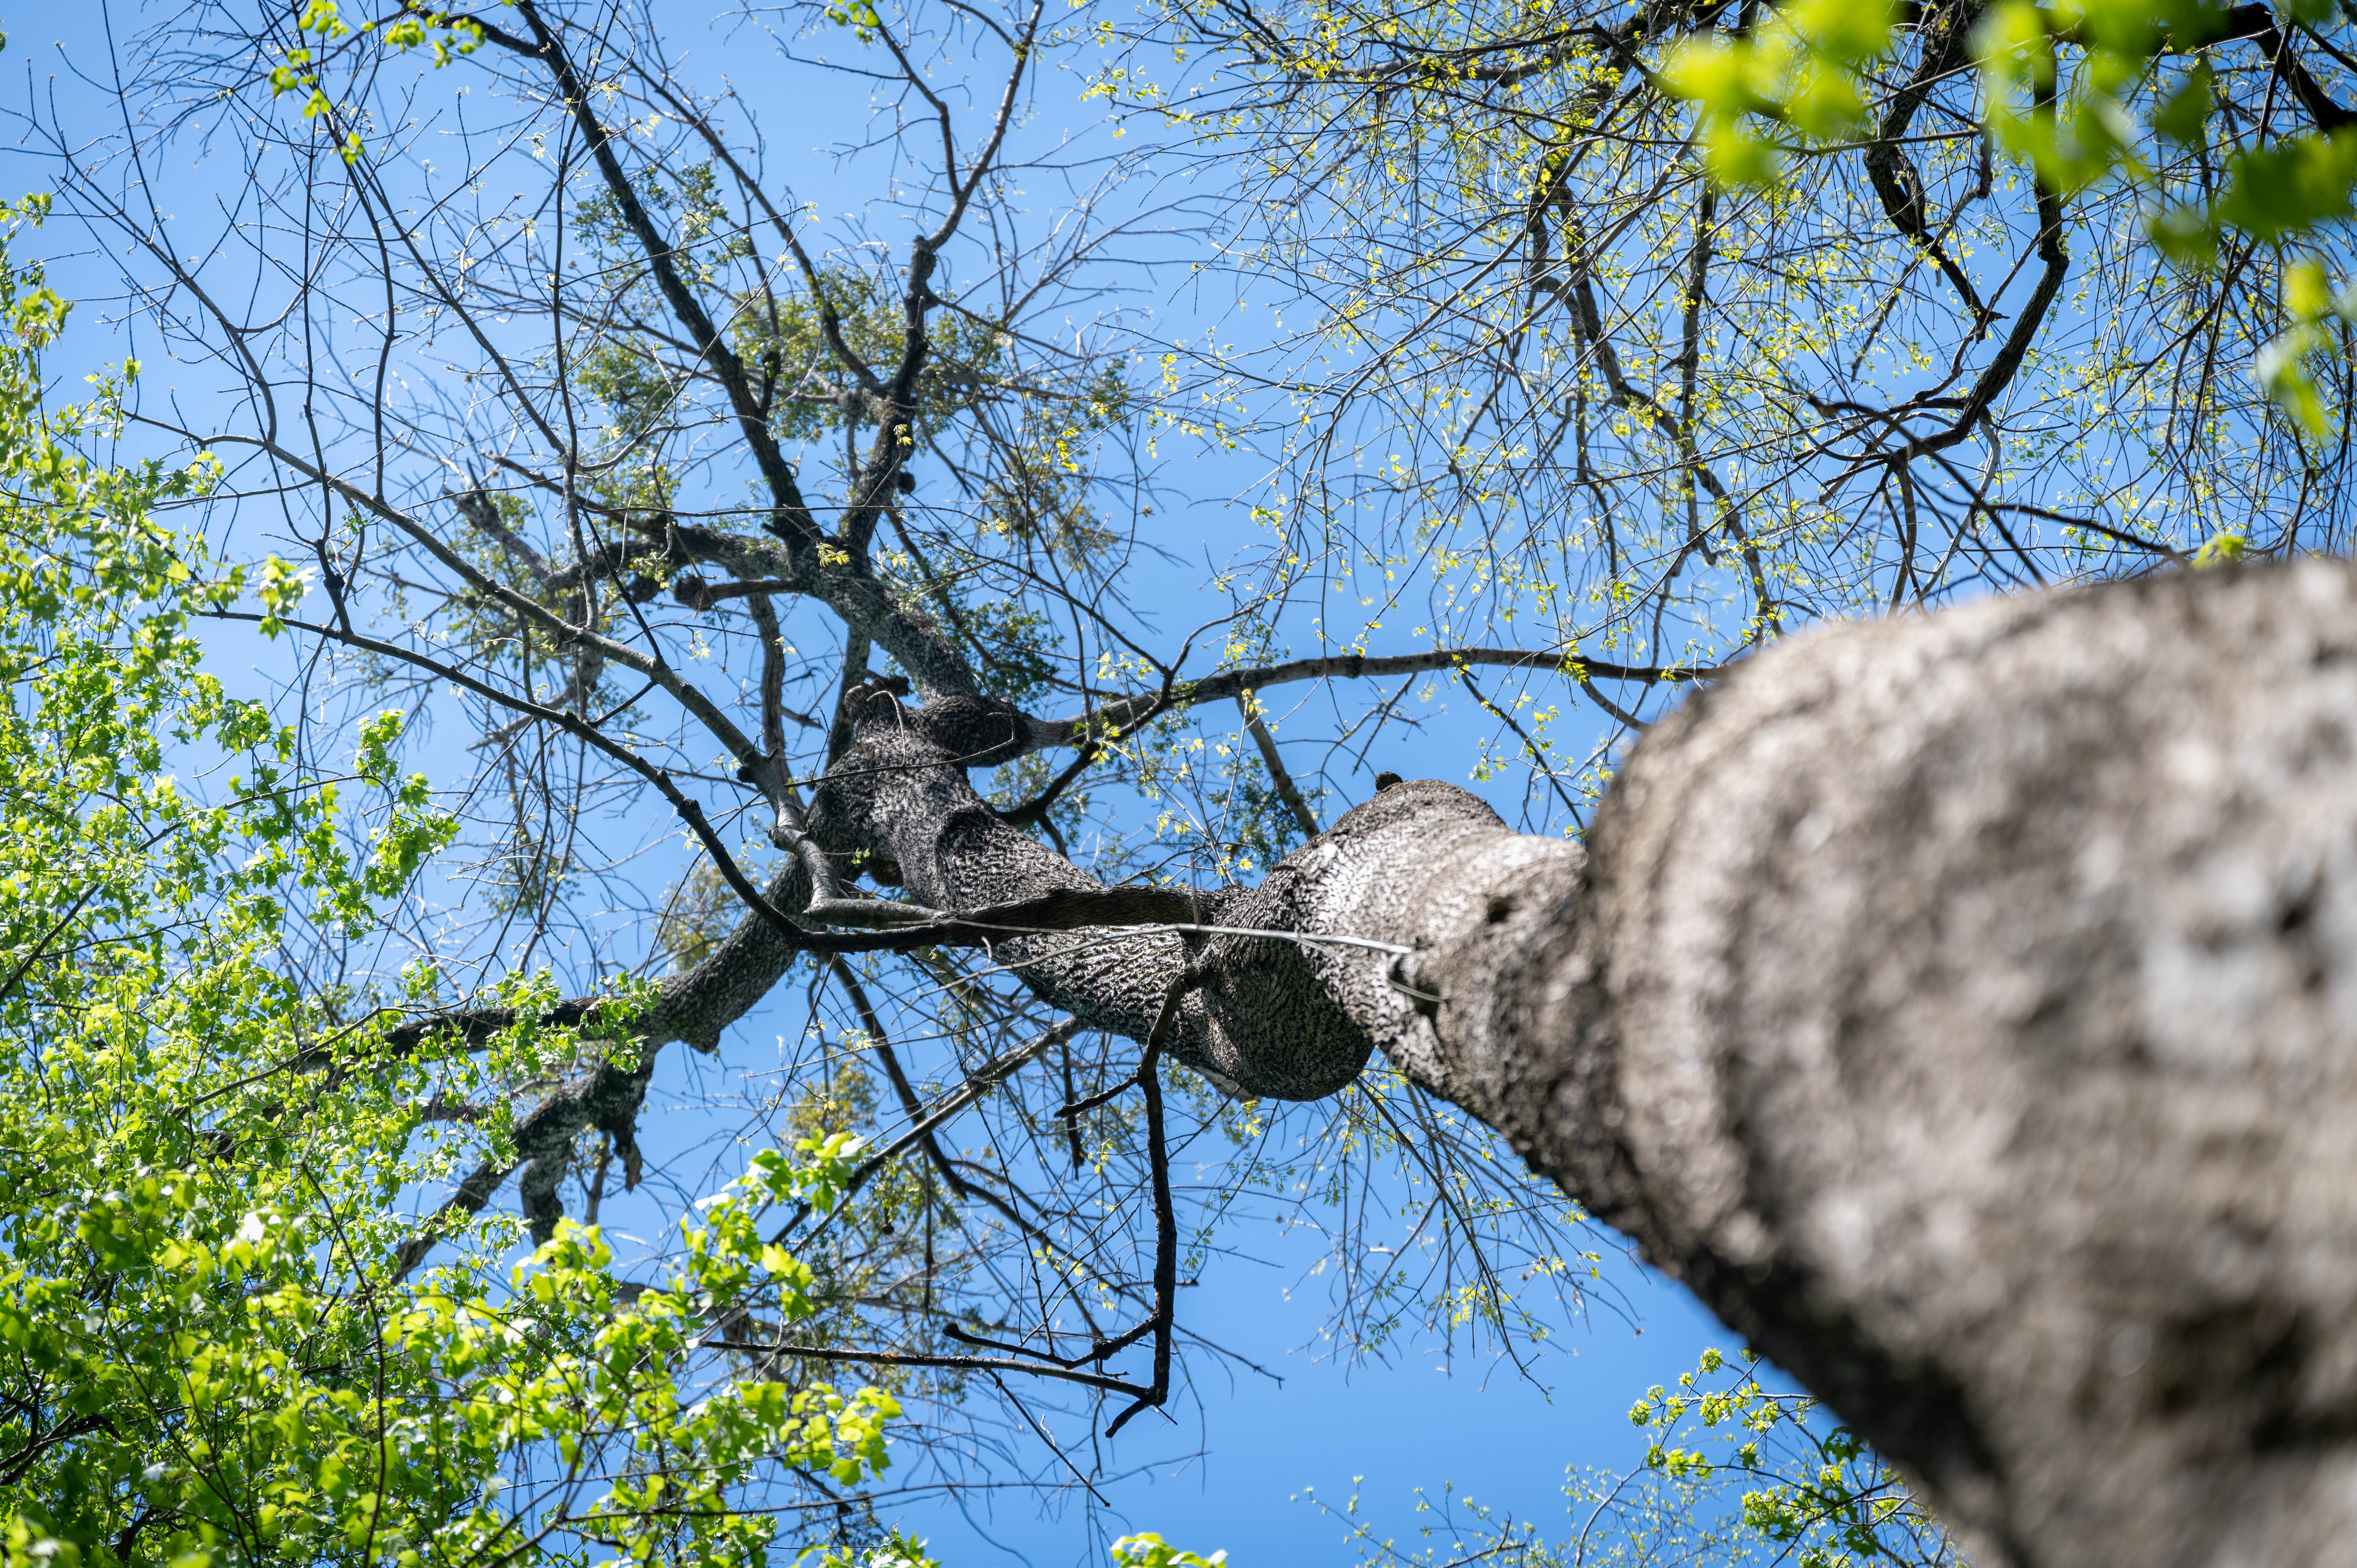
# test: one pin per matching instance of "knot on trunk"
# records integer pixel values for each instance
(972, 731)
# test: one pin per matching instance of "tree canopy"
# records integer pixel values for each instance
(214, 1347)
(1193, 402)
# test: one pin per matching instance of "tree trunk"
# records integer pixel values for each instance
(1959, 1004)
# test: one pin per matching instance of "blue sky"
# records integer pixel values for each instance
(1378, 1431)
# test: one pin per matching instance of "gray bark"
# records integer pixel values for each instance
(1251, 1017)
(1959, 1004)
(1962, 1009)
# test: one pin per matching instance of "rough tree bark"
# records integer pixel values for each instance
(1960, 1004)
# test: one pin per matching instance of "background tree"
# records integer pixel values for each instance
(1665, 327)
(942, 495)
(210, 1349)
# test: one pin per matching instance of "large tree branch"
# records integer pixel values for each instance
(1944, 29)
(1028, 1366)
(1230, 683)
(1957, 1003)
(2256, 23)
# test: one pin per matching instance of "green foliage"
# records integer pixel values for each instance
(301, 67)
(2082, 91)
(2284, 366)
(1818, 1494)
(212, 1350)
(701, 910)
(1803, 69)
(2219, 550)
(894, 1551)
(1732, 1475)
(962, 366)
(1147, 1550)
